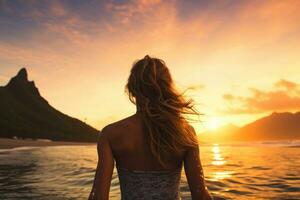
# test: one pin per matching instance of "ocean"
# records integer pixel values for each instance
(269, 170)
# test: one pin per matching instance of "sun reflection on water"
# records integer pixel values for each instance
(222, 175)
(218, 159)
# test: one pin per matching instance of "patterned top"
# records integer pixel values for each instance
(149, 185)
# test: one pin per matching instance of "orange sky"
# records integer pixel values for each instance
(241, 56)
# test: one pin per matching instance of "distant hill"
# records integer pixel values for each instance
(277, 126)
(26, 114)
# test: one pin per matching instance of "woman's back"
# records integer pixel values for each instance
(140, 175)
(130, 147)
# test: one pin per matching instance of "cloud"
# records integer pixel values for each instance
(56, 31)
(284, 96)
(208, 25)
(57, 9)
(195, 30)
(286, 84)
(128, 11)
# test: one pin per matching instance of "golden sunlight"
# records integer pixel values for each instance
(214, 123)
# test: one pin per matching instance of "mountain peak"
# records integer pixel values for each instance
(20, 78)
(22, 74)
(20, 83)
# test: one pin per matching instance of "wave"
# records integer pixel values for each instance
(18, 149)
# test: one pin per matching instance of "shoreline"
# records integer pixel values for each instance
(7, 143)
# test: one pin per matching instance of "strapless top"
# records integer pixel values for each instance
(149, 185)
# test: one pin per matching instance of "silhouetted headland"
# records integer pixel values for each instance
(26, 114)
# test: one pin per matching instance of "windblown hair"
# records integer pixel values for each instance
(150, 87)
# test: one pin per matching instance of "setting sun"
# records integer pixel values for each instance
(213, 123)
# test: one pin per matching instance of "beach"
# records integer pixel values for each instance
(6, 143)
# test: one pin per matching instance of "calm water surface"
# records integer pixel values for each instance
(269, 171)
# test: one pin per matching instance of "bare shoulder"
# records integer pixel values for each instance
(114, 129)
(191, 128)
(193, 134)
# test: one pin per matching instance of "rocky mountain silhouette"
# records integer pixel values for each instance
(277, 126)
(24, 113)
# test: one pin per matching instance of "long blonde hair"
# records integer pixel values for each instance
(150, 87)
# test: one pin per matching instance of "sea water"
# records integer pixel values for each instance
(245, 171)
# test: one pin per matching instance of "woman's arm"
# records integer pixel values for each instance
(104, 169)
(194, 173)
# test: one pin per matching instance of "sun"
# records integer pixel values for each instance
(213, 123)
